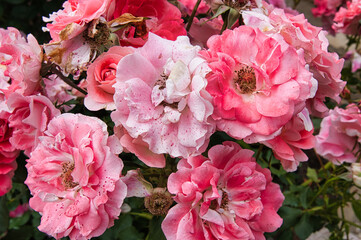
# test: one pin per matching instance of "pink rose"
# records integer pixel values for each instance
(347, 20)
(299, 33)
(161, 100)
(19, 210)
(228, 196)
(340, 135)
(101, 77)
(287, 147)
(257, 83)
(326, 7)
(74, 178)
(29, 119)
(8, 153)
(20, 62)
(78, 12)
(163, 19)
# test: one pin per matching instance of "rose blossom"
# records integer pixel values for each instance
(77, 12)
(74, 178)
(299, 33)
(20, 62)
(160, 97)
(326, 7)
(8, 153)
(295, 136)
(340, 135)
(257, 82)
(29, 118)
(228, 196)
(101, 77)
(162, 19)
(347, 19)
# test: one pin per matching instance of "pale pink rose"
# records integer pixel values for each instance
(347, 19)
(160, 97)
(228, 196)
(8, 154)
(101, 76)
(356, 60)
(287, 147)
(29, 118)
(163, 19)
(20, 62)
(78, 12)
(140, 148)
(74, 178)
(299, 33)
(257, 83)
(188, 5)
(19, 210)
(58, 91)
(340, 135)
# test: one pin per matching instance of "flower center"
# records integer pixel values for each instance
(245, 80)
(67, 179)
(224, 202)
(161, 82)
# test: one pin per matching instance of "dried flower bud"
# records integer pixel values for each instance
(159, 202)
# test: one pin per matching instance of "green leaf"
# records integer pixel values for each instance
(16, 223)
(4, 215)
(303, 198)
(312, 174)
(222, 9)
(25, 233)
(289, 215)
(304, 228)
(155, 230)
(233, 16)
(356, 206)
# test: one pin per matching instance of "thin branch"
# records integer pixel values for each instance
(56, 71)
(192, 15)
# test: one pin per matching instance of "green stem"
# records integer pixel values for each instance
(56, 71)
(192, 15)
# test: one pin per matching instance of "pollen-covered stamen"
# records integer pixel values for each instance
(161, 82)
(224, 201)
(245, 80)
(67, 179)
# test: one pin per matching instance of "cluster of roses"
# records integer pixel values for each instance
(258, 82)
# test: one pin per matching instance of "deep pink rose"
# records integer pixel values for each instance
(287, 147)
(74, 178)
(326, 7)
(347, 20)
(228, 196)
(188, 5)
(161, 100)
(8, 154)
(340, 135)
(19, 210)
(29, 119)
(77, 12)
(164, 19)
(20, 62)
(101, 76)
(299, 33)
(257, 83)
